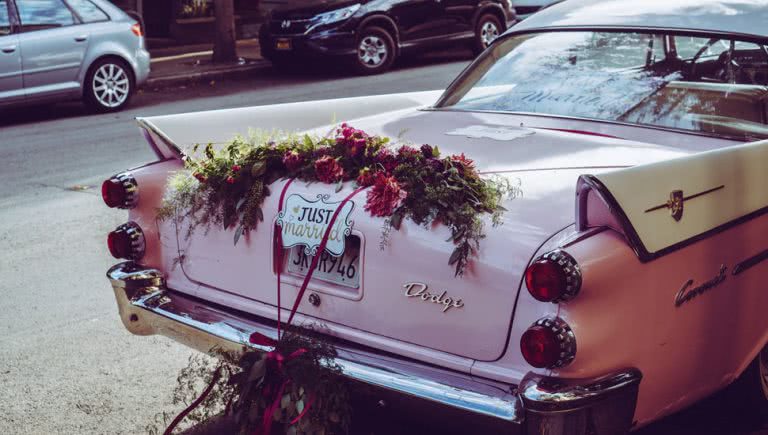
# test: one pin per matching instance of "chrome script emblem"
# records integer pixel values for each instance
(686, 293)
(419, 290)
(285, 24)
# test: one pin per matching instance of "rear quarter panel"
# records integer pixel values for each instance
(626, 315)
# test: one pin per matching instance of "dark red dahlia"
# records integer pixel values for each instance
(427, 151)
(200, 177)
(386, 159)
(328, 169)
(292, 160)
(235, 168)
(231, 180)
(407, 154)
(366, 177)
(385, 196)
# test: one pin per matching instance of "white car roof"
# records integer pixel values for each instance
(740, 17)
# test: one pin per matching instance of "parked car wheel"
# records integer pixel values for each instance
(109, 85)
(751, 389)
(375, 51)
(487, 29)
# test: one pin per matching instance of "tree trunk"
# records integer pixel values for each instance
(224, 48)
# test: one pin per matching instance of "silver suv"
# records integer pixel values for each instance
(53, 50)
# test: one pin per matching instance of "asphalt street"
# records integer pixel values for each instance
(67, 365)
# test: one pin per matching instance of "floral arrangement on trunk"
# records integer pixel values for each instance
(227, 187)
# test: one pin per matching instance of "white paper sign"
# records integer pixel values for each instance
(303, 222)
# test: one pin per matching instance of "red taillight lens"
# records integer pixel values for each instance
(127, 242)
(540, 347)
(545, 280)
(119, 244)
(548, 343)
(120, 191)
(136, 29)
(554, 277)
(113, 193)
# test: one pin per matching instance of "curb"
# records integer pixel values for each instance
(236, 72)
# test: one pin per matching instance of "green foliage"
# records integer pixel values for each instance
(227, 187)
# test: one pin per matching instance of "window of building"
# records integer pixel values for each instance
(88, 12)
(43, 14)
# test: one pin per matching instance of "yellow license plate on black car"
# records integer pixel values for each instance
(283, 44)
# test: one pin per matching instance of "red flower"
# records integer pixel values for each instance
(385, 196)
(386, 159)
(427, 151)
(235, 168)
(461, 158)
(328, 170)
(292, 160)
(231, 180)
(200, 177)
(407, 154)
(366, 177)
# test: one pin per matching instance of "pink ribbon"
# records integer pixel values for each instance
(257, 338)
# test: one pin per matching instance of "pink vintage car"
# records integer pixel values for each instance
(626, 282)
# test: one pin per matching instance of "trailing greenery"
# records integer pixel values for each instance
(246, 383)
(227, 187)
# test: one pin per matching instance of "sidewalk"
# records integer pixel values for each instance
(188, 64)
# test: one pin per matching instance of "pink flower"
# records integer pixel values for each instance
(328, 170)
(385, 196)
(200, 177)
(366, 177)
(231, 180)
(292, 160)
(235, 168)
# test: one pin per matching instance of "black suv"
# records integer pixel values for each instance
(373, 33)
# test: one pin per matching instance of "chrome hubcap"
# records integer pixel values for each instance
(372, 51)
(111, 85)
(488, 32)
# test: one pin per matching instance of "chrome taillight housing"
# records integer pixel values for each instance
(553, 277)
(127, 242)
(120, 191)
(549, 343)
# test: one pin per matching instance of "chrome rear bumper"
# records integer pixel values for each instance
(552, 406)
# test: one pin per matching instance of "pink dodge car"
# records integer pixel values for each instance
(627, 281)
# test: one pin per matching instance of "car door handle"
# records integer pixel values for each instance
(81, 38)
(9, 49)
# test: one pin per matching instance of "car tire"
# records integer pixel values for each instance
(375, 51)
(487, 29)
(109, 85)
(750, 390)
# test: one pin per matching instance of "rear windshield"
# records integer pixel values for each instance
(711, 85)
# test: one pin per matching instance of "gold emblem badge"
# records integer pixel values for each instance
(676, 202)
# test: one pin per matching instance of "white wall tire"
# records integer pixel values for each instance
(109, 85)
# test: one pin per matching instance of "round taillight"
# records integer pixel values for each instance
(120, 191)
(553, 277)
(127, 242)
(548, 343)
(113, 193)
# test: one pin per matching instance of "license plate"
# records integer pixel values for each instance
(283, 44)
(343, 270)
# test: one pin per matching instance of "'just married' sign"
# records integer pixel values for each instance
(303, 222)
